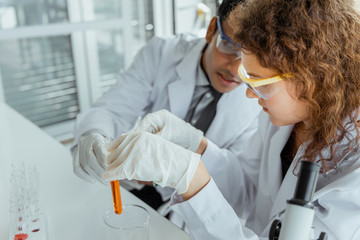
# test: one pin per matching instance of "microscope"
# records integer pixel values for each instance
(299, 212)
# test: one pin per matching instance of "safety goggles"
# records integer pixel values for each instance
(264, 88)
(225, 45)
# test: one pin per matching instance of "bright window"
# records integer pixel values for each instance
(57, 57)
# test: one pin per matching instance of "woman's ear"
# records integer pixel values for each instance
(211, 30)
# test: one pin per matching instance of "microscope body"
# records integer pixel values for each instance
(299, 212)
(297, 223)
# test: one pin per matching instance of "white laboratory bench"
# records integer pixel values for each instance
(74, 208)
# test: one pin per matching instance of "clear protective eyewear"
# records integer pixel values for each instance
(264, 88)
(225, 45)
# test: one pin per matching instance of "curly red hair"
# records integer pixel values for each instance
(318, 42)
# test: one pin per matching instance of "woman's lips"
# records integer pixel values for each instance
(264, 108)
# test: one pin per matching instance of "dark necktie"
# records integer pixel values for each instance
(208, 114)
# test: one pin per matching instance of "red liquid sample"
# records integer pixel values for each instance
(21, 236)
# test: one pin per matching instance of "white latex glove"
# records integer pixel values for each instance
(144, 156)
(172, 128)
(89, 158)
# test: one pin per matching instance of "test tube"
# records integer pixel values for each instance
(115, 189)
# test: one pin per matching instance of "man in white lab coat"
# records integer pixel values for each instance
(177, 74)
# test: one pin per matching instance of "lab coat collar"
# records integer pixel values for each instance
(346, 182)
(348, 164)
(273, 165)
(181, 90)
(288, 185)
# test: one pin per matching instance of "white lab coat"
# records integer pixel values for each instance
(337, 197)
(162, 76)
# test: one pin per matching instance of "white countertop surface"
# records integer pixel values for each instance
(74, 207)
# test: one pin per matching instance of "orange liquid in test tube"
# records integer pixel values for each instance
(115, 189)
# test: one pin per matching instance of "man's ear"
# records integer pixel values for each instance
(211, 30)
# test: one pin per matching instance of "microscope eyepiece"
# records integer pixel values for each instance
(306, 184)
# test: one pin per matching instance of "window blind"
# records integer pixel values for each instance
(39, 78)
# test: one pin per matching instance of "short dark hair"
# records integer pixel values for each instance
(226, 7)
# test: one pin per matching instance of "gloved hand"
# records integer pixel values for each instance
(147, 157)
(172, 128)
(89, 158)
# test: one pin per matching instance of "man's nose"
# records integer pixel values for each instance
(233, 66)
(251, 94)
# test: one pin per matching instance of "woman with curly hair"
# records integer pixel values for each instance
(301, 60)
